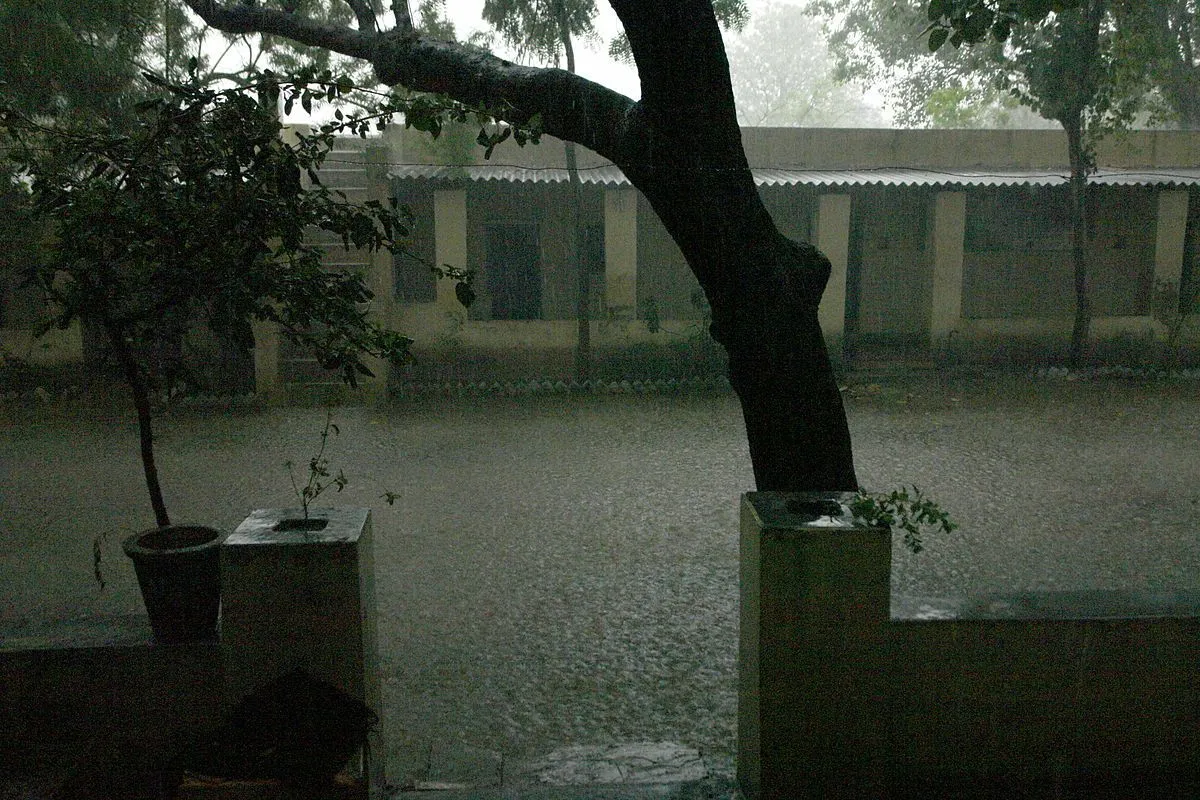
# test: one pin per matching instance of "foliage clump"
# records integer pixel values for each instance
(202, 215)
(911, 512)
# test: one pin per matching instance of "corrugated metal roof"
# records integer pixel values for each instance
(611, 176)
(1183, 176)
(607, 175)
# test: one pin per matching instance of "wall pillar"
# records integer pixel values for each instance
(949, 230)
(833, 239)
(266, 360)
(303, 600)
(450, 239)
(1170, 237)
(620, 252)
(815, 594)
(379, 278)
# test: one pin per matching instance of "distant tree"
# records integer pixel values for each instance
(881, 43)
(547, 30)
(1164, 36)
(64, 57)
(681, 145)
(1075, 67)
(782, 75)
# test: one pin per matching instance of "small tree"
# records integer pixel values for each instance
(1079, 66)
(200, 213)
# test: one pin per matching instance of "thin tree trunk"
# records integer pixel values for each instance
(141, 402)
(583, 305)
(1079, 232)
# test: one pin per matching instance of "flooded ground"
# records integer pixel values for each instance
(562, 570)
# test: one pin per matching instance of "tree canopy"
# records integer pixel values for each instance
(783, 75)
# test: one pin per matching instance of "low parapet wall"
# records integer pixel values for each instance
(93, 709)
(848, 692)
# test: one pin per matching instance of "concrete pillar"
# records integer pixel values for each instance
(450, 239)
(833, 239)
(949, 229)
(815, 594)
(1169, 238)
(266, 360)
(379, 278)
(620, 252)
(302, 599)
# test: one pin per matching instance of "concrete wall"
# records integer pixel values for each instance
(846, 691)
(906, 264)
(97, 709)
(94, 710)
(55, 347)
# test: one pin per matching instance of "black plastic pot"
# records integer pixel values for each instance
(179, 570)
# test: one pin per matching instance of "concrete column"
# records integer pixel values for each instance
(379, 278)
(949, 229)
(266, 360)
(833, 239)
(620, 252)
(302, 599)
(815, 594)
(450, 239)
(1170, 237)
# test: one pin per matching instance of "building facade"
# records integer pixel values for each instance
(941, 242)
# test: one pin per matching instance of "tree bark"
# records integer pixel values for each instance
(681, 146)
(1079, 232)
(583, 302)
(141, 403)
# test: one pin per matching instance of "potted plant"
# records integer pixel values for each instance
(197, 215)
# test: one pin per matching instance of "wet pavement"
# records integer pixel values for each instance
(561, 572)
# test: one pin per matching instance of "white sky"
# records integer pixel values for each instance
(591, 62)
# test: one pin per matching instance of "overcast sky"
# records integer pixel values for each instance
(592, 62)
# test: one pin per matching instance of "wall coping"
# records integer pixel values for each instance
(1067, 606)
(81, 633)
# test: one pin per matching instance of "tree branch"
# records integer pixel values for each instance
(571, 108)
(254, 19)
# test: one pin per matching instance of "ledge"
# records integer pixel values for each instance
(1090, 605)
(77, 634)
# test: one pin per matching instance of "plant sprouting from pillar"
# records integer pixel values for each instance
(911, 512)
(319, 476)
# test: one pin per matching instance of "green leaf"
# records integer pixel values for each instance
(937, 37)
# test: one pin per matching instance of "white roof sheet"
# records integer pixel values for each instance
(611, 176)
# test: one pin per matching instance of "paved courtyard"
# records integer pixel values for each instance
(561, 571)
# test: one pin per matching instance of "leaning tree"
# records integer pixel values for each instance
(680, 145)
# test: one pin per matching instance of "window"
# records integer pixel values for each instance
(513, 271)
(1018, 219)
(593, 259)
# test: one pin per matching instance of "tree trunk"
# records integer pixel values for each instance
(583, 304)
(1079, 233)
(764, 290)
(141, 403)
(779, 366)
